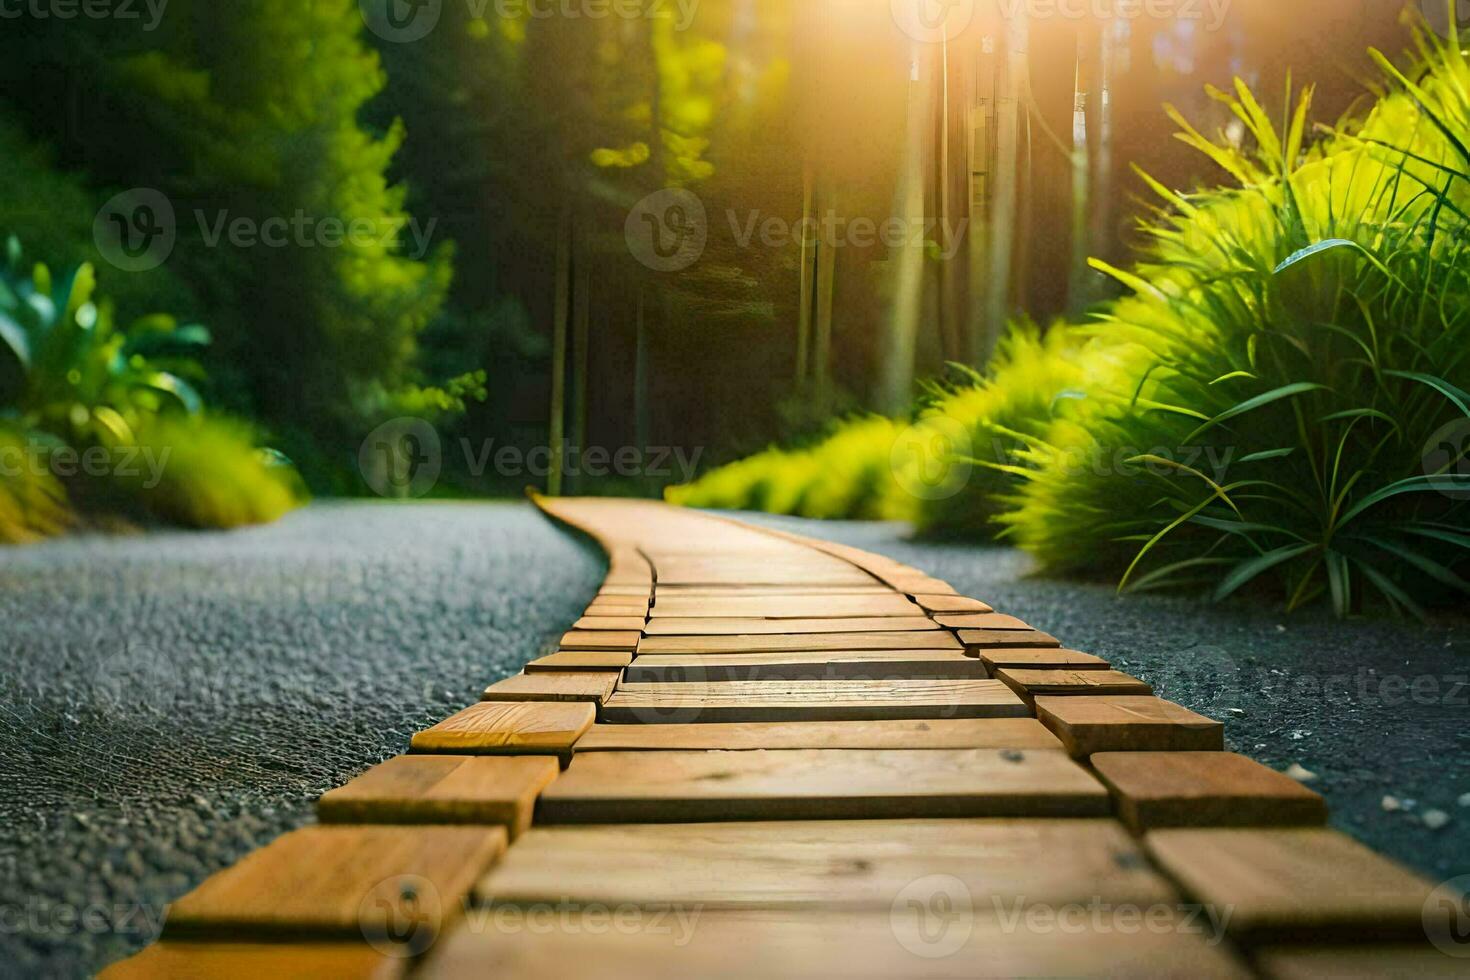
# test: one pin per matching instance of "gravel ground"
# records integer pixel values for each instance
(170, 702)
(1378, 710)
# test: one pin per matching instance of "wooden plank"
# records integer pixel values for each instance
(1040, 659)
(1035, 683)
(951, 604)
(600, 640)
(548, 685)
(849, 700)
(934, 733)
(604, 660)
(620, 592)
(1296, 885)
(615, 623)
(1402, 961)
(653, 668)
(1204, 789)
(254, 961)
(776, 591)
(443, 789)
(823, 864)
(813, 784)
(341, 882)
(798, 642)
(1128, 723)
(787, 607)
(862, 945)
(619, 610)
(509, 728)
(982, 621)
(1007, 639)
(759, 627)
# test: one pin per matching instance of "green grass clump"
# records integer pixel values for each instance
(1293, 415)
(846, 475)
(33, 503)
(1278, 402)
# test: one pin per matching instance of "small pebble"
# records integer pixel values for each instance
(1239, 712)
(1300, 773)
(1465, 799)
(1435, 819)
(1391, 804)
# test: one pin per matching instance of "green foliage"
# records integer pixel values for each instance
(74, 385)
(846, 475)
(32, 502)
(1279, 402)
(977, 430)
(1292, 412)
(212, 474)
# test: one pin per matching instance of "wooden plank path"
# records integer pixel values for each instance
(758, 755)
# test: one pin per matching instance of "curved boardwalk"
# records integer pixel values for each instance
(759, 755)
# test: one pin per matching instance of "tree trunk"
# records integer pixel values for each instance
(560, 307)
(907, 258)
(1010, 90)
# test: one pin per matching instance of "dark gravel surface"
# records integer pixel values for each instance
(1378, 710)
(170, 702)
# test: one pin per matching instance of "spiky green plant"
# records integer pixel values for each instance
(1306, 335)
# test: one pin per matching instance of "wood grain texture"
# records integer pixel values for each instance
(842, 700)
(758, 627)
(861, 945)
(663, 787)
(443, 789)
(600, 640)
(1007, 639)
(951, 604)
(341, 882)
(798, 642)
(621, 624)
(255, 961)
(509, 728)
(829, 665)
(1393, 961)
(786, 607)
(604, 660)
(1044, 658)
(824, 863)
(1034, 683)
(935, 733)
(548, 685)
(774, 591)
(1128, 723)
(1295, 884)
(982, 621)
(1204, 789)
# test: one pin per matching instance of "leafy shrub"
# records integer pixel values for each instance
(846, 475)
(1307, 334)
(75, 386)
